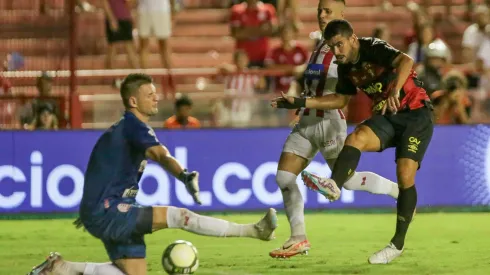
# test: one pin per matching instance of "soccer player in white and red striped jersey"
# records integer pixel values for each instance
(317, 130)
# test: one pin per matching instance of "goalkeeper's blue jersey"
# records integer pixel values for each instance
(116, 163)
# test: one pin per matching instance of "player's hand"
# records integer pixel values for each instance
(288, 102)
(392, 102)
(191, 181)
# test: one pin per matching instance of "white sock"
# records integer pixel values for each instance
(293, 202)
(102, 269)
(69, 268)
(373, 183)
(208, 226)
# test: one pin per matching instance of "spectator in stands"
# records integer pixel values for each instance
(182, 118)
(288, 13)
(452, 104)
(416, 49)
(44, 85)
(252, 23)
(5, 86)
(287, 56)
(155, 17)
(44, 119)
(119, 30)
(382, 32)
(437, 62)
(420, 18)
(239, 105)
(474, 35)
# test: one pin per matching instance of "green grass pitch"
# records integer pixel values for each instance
(438, 243)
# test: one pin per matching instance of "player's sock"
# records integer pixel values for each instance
(293, 202)
(102, 269)
(373, 183)
(69, 268)
(407, 201)
(208, 226)
(345, 165)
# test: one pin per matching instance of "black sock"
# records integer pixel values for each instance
(407, 201)
(345, 165)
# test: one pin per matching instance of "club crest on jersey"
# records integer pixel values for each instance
(314, 71)
(123, 207)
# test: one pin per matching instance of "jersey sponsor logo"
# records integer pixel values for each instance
(314, 71)
(374, 88)
(379, 106)
(142, 166)
(130, 193)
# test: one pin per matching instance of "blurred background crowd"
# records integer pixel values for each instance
(217, 63)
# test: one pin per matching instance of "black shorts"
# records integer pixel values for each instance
(409, 132)
(123, 33)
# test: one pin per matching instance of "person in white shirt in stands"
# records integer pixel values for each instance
(155, 18)
(474, 35)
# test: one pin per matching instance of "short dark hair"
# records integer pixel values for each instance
(338, 27)
(131, 85)
(183, 101)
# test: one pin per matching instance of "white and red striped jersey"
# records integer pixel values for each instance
(320, 78)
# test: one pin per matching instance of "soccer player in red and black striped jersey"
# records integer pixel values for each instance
(403, 119)
(318, 130)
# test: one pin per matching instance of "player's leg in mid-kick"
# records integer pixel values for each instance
(296, 155)
(330, 137)
(369, 182)
(181, 218)
(123, 238)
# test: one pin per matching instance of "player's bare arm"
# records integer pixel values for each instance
(327, 102)
(160, 154)
(403, 64)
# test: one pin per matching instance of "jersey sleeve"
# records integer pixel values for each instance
(344, 84)
(141, 136)
(304, 54)
(235, 18)
(272, 14)
(382, 52)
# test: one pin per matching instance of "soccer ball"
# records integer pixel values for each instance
(180, 257)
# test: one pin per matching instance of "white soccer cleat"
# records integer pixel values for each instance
(324, 186)
(385, 255)
(267, 225)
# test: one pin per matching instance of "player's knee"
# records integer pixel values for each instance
(285, 179)
(177, 217)
(357, 139)
(406, 177)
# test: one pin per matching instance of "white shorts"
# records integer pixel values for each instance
(158, 24)
(327, 136)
